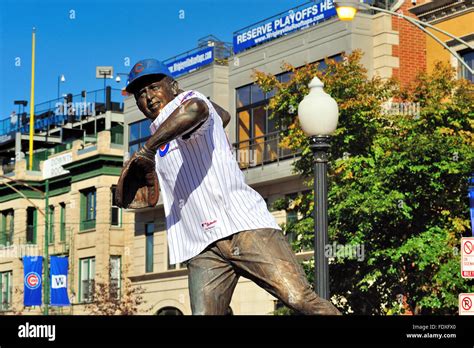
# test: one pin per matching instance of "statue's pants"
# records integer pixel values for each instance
(262, 255)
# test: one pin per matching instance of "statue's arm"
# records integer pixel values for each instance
(181, 123)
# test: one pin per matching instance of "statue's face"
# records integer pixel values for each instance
(153, 94)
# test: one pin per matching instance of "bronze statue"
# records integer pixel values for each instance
(216, 224)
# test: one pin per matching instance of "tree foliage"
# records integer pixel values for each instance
(398, 184)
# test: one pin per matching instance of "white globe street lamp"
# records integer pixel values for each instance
(318, 114)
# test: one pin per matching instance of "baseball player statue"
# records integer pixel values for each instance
(217, 224)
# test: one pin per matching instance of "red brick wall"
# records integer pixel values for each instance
(412, 46)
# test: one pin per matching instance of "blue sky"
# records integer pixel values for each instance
(106, 32)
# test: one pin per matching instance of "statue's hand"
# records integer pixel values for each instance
(138, 185)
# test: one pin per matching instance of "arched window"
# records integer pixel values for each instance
(169, 311)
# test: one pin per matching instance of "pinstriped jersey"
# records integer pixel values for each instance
(204, 192)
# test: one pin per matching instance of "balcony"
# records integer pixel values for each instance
(263, 160)
(57, 112)
(261, 151)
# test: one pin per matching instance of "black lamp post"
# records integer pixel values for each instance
(118, 79)
(318, 114)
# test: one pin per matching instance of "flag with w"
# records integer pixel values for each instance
(59, 266)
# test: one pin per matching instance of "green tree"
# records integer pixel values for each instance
(398, 185)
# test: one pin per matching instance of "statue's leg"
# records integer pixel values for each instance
(265, 256)
(212, 281)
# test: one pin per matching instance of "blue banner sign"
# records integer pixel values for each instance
(33, 271)
(191, 61)
(297, 19)
(59, 266)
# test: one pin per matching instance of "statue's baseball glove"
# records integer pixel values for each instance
(138, 185)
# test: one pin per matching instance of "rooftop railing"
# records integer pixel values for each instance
(57, 112)
(200, 57)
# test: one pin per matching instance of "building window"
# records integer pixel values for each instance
(88, 209)
(149, 250)
(468, 57)
(116, 212)
(62, 222)
(51, 224)
(256, 133)
(86, 276)
(6, 290)
(139, 132)
(6, 228)
(115, 275)
(31, 223)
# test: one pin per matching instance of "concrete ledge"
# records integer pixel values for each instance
(269, 173)
(161, 275)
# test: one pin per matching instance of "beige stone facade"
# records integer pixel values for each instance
(99, 241)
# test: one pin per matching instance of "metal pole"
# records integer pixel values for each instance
(95, 116)
(320, 147)
(59, 81)
(32, 100)
(46, 251)
(18, 119)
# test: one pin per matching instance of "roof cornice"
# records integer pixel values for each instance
(439, 10)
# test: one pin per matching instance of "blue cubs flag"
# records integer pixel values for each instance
(59, 266)
(33, 270)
